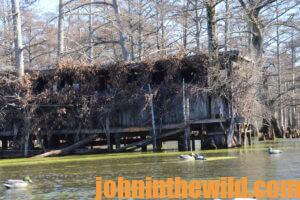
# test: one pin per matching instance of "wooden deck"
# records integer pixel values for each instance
(125, 129)
(132, 138)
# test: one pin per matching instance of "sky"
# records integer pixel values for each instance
(48, 5)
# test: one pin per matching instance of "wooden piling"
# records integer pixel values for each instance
(144, 147)
(250, 138)
(4, 144)
(180, 144)
(117, 140)
(27, 135)
(148, 141)
(107, 132)
(45, 142)
(203, 132)
(245, 134)
(186, 116)
(30, 143)
(70, 139)
(193, 145)
(77, 136)
(153, 119)
(54, 141)
(159, 145)
(239, 135)
(15, 130)
(209, 107)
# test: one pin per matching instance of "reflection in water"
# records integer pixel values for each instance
(20, 193)
(76, 180)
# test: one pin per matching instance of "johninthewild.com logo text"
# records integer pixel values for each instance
(178, 188)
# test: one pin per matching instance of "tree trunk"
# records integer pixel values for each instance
(60, 31)
(160, 29)
(91, 41)
(131, 36)
(140, 29)
(293, 61)
(226, 24)
(122, 39)
(214, 65)
(255, 28)
(185, 25)
(68, 149)
(230, 133)
(157, 27)
(278, 67)
(19, 57)
(198, 31)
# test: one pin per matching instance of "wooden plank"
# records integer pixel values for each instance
(118, 130)
(173, 126)
(82, 131)
(215, 133)
(208, 121)
(130, 129)
(101, 131)
(125, 130)
(137, 129)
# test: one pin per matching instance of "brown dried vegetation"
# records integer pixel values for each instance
(75, 95)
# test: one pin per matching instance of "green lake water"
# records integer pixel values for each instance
(73, 177)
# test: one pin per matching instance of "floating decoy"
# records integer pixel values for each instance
(17, 183)
(199, 157)
(187, 157)
(274, 151)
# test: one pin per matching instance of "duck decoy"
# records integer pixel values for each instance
(17, 183)
(199, 157)
(187, 157)
(274, 151)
